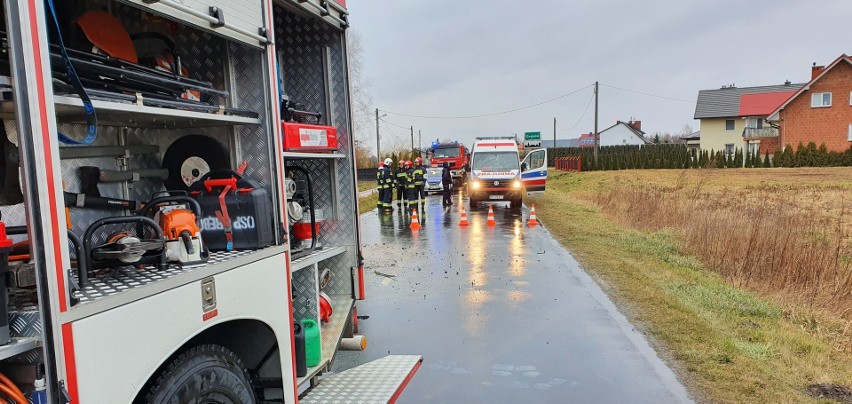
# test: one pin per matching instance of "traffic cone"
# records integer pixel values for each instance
(533, 220)
(415, 222)
(491, 221)
(463, 221)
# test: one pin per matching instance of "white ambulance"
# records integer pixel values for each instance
(497, 174)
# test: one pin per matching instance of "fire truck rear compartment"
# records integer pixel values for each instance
(311, 57)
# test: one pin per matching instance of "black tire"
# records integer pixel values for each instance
(203, 374)
(474, 203)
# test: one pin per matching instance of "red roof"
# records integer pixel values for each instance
(762, 104)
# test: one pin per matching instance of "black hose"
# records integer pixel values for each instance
(313, 207)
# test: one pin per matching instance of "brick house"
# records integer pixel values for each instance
(821, 111)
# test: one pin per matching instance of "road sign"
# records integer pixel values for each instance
(532, 143)
(532, 135)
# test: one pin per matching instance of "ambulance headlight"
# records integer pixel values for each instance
(516, 184)
(475, 184)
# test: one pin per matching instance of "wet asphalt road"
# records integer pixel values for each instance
(501, 314)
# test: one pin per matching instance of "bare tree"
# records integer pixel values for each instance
(363, 123)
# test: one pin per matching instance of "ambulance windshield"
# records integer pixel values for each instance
(495, 161)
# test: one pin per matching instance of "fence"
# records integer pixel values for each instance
(570, 163)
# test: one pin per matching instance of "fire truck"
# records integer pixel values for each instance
(453, 153)
(179, 205)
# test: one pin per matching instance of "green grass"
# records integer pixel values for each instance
(365, 185)
(726, 344)
(368, 203)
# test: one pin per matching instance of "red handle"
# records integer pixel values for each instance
(220, 183)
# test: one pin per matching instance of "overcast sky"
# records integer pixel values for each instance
(451, 58)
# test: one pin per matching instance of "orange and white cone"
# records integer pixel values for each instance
(491, 221)
(533, 220)
(415, 222)
(463, 221)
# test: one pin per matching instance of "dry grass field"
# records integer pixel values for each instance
(781, 232)
(742, 276)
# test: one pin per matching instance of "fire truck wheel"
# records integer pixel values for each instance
(203, 374)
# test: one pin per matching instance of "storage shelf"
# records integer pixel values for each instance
(331, 333)
(18, 346)
(109, 113)
(128, 284)
(302, 155)
(315, 257)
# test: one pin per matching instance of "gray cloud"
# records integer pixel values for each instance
(443, 57)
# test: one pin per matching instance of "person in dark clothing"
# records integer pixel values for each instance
(381, 179)
(447, 180)
(401, 184)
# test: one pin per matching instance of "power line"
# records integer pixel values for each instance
(581, 116)
(647, 94)
(389, 129)
(490, 114)
(394, 124)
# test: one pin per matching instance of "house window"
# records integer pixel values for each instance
(850, 132)
(754, 149)
(754, 123)
(729, 150)
(820, 100)
(729, 124)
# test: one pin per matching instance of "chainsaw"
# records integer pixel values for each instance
(178, 216)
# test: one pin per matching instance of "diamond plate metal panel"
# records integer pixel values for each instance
(373, 382)
(341, 266)
(24, 319)
(305, 291)
(118, 280)
(332, 331)
(254, 142)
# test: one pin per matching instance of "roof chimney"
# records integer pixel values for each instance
(788, 83)
(816, 70)
(636, 124)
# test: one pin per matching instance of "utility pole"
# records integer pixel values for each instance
(412, 139)
(597, 140)
(378, 149)
(554, 132)
(419, 139)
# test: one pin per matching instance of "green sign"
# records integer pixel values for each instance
(532, 136)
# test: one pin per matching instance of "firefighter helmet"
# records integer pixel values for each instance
(418, 161)
(408, 164)
(388, 161)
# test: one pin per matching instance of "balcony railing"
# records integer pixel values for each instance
(754, 133)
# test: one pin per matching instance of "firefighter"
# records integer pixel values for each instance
(381, 177)
(420, 179)
(411, 193)
(388, 197)
(401, 182)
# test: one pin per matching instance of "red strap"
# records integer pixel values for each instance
(223, 217)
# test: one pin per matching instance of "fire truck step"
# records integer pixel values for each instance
(379, 381)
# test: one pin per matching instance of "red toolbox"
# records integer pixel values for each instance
(306, 137)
